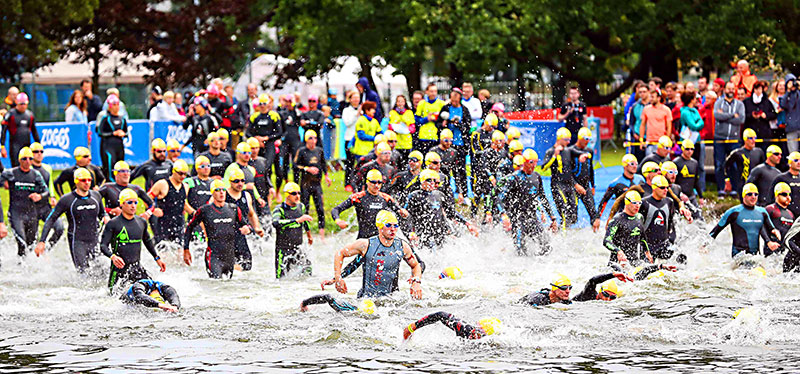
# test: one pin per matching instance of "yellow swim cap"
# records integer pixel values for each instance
(659, 181)
(749, 188)
(560, 281)
(584, 133)
(212, 136)
(25, 152)
(513, 133)
(657, 274)
(382, 147)
(367, 306)
(291, 187)
(121, 165)
(794, 156)
(384, 218)
(431, 157)
(782, 187)
(452, 272)
(427, 175)
(668, 166)
(36, 146)
(748, 133)
(519, 160)
(649, 167)
(375, 175)
(201, 160)
(236, 174)
(223, 134)
(632, 197)
(309, 134)
(774, 150)
(126, 195)
(563, 133)
(490, 326)
(253, 143)
(157, 144)
(180, 166)
(611, 287)
(514, 146)
(664, 142)
(217, 184)
(264, 98)
(81, 152)
(628, 158)
(173, 144)
(390, 135)
(758, 271)
(81, 173)
(416, 154)
(378, 139)
(687, 144)
(157, 295)
(498, 136)
(530, 155)
(491, 119)
(243, 147)
(446, 134)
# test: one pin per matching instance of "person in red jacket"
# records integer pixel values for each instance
(743, 78)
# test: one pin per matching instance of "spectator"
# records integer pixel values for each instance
(654, 83)
(688, 87)
(426, 116)
(350, 115)
(76, 108)
(778, 125)
(179, 104)
(94, 105)
(229, 95)
(458, 121)
(336, 109)
(573, 113)
(166, 110)
(702, 88)
(401, 121)
(656, 122)
(718, 87)
(499, 109)
(368, 94)
(246, 107)
(632, 98)
(298, 103)
(484, 95)
(8, 102)
(635, 120)
(758, 114)
(415, 99)
(729, 117)
(743, 78)
(741, 93)
(670, 92)
(472, 104)
(123, 110)
(155, 98)
(707, 113)
(790, 102)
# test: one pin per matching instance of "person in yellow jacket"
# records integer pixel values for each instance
(366, 129)
(427, 112)
(402, 122)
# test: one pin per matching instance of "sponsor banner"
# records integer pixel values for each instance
(594, 124)
(604, 113)
(541, 135)
(174, 131)
(59, 140)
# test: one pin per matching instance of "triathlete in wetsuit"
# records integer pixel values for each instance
(218, 159)
(432, 162)
(446, 152)
(310, 161)
(688, 177)
(625, 233)
(84, 210)
(398, 186)
(291, 140)
(792, 178)
(791, 243)
(382, 255)
(243, 156)
(152, 294)
(202, 125)
(559, 159)
(198, 191)
(110, 191)
(658, 212)
(779, 212)
(382, 164)
(583, 172)
(561, 287)
(429, 210)
(486, 326)
(520, 202)
(661, 154)
(156, 168)
(122, 241)
(46, 205)
(506, 166)
(263, 176)
(266, 127)
(490, 204)
(112, 129)
(748, 222)
(367, 306)
(483, 170)
(765, 174)
(223, 222)
(170, 197)
(313, 119)
(83, 159)
(237, 195)
(744, 159)
(290, 221)
(620, 184)
(21, 126)
(26, 187)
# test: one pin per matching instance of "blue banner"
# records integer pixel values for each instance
(137, 143)
(59, 140)
(538, 135)
(174, 131)
(593, 123)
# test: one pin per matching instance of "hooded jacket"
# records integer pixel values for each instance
(371, 95)
(790, 102)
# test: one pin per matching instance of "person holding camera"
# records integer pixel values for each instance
(790, 103)
(573, 114)
(758, 112)
(459, 122)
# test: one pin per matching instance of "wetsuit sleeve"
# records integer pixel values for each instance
(543, 200)
(646, 271)
(732, 158)
(608, 240)
(149, 242)
(138, 171)
(590, 290)
(339, 306)
(170, 294)
(501, 197)
(100, 177)
(65, 176)
(344, 205)
(145, 197)
(34, 132)
(105, 238)
(41, 187)
(6, 176)
(725, 220)
(104, 129)
(451, 212)
(141, 297)
(611, 191)
(57, 211)
(50, 182)
(197, 217)
(461, 329)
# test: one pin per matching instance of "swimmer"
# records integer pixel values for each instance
(485, 327)
(152, 294)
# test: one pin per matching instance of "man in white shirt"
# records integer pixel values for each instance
(472, 104)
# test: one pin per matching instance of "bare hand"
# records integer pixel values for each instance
(580, 189)
(777, 234)
(260, 231)
(553, 226)
(115, 211)
(117, 261)
(596, 225)
(187, 257)
(158, 212)
(416, 291)
(313, 170)
(303, 308)
(404, 213)
(341, 286)
(406, 333)
(310, 239)
(488, 218)
(244, 230)
(472, 229)
(621, 257)
(53, 201)
(106, 219)
(686, 214)
(3, 230)
(326, 282)
(506, 223)
(35, 197)
(773, 246)
(728, 187)
(262, 203)
(304, 218)
(161, 265)
(341, 223)
(278, 143)
(622, 277)
(328, 181)
(583, 157)
(559, 148)
(119, 133)
(146, 214)
(39, 249)
(3, 152)
(167, 307)
(671, 268)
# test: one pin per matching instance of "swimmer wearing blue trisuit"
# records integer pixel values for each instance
(748, 222)
(152, 294)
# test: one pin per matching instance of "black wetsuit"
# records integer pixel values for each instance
(289, 239)
(794, 184)
(20, 126)
(763, 177)
(395, 160)
(172, 222)
(270, 126)
(782, 218)
(791, 242)
(198, 191)
(522, 198)
(483, 173)
(539, 298)
(617, 188)
(222, 228)
(112, 148)
(44, 204)
(201, 127)
(83, 215)
(110, 193)
(626, 233)
(744, 160)
(653, 157)
(398, 186)
(387, 171)
(337, 305)
(482, 159)
(291, 142)
(462, 330)
(310, 184)
(262, 181)
(429, 212)
(139, 293)
(219, 163)
(23, 213)
(659, 227)
(414, 185)
(448, 162)
(688, 176)
(152, 171)
(562, 183)
(584, 175)
(589, 291)
(314, 120)
(241, 248)
(124, 237)
(68, 176)
(367, 207)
